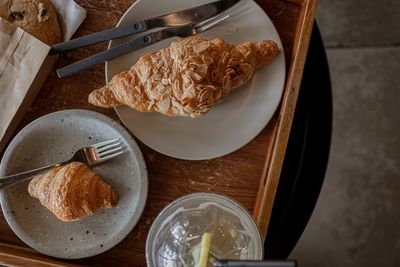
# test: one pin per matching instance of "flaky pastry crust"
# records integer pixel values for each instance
(187, 78)
(72, 191)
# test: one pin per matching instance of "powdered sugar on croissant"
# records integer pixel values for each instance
(187, 78)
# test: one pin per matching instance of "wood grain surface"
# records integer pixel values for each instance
(250, 175)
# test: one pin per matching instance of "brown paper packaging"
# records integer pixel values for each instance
(24, 66)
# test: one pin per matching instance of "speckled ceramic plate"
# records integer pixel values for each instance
(54, 138)
(230, 124)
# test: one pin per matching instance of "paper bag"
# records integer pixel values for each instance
(25, 65)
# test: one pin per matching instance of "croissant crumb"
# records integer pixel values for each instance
(187, 78)
(72, 191)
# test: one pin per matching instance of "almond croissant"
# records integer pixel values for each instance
(187, 78)
(72, 191)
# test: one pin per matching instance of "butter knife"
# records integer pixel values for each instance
(265, 263)
(138, 43)
(176, 19)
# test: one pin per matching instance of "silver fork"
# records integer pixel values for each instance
(141, 42)
(90, 155)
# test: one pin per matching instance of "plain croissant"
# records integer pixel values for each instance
(187, 78)
(72, 191)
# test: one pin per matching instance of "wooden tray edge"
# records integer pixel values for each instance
(11, 255)
(273, 165)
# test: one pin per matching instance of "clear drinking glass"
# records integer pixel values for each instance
(179, 228)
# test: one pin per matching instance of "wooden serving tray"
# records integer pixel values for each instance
(250, 175)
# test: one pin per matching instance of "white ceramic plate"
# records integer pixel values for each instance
(229, 125)
(53, 138)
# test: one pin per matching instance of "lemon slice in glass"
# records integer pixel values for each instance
(200, 254)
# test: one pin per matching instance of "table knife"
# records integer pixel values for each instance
(138, 43)
(176, 19)
(244, 263)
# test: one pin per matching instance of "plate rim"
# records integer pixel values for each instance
(214, 155)
(142, 168)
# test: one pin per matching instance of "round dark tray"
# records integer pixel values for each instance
(306, 157)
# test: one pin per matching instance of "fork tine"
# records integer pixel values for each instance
(107, 147)
(111, 156)
(110, 152)
(104, 143)
(211, 22)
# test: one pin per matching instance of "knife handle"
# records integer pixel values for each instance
(102, 57)
(94, 38)
(244, 263)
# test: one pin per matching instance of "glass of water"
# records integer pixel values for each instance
(177, 231)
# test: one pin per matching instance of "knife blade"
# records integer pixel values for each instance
(138, 43)
(249, 263)
(176, 19)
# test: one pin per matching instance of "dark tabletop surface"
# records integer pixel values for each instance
(306, 157)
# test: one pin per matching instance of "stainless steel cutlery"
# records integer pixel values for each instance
(182, 23)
